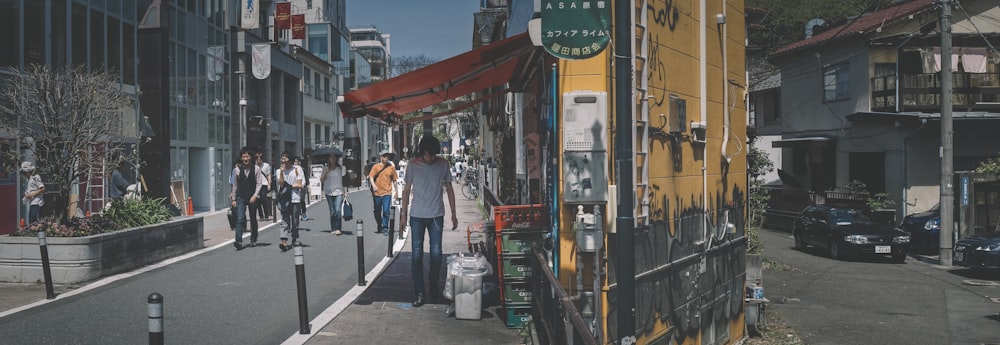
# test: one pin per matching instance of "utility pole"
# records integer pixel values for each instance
(947, 190)
(624, 125)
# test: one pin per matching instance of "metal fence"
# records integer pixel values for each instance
(556, 318)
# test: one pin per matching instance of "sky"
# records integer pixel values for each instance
(438, 29)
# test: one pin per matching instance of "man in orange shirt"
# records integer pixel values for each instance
(381, 178)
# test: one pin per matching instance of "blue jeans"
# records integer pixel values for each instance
(34, 213)
(290, 214)
(434, 227)
(335, 202)
(381, 208)
(241, 220)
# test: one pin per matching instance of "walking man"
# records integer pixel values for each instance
(381, 177)
(291, 180)
(425, 175)
(246, 188)
(305, 190)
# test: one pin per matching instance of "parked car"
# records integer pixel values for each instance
(924, 229)
(848, 231)
(979, 251)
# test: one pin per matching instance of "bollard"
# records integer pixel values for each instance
(392, 226)
(300, 281)
(46, 268)
(155, 311)
(361, 253)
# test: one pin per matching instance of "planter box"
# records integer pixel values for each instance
(80, 259)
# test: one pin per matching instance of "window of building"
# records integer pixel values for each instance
(835, 82)
(79, 32)
(326, 89)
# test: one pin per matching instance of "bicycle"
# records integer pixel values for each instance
(470, 189)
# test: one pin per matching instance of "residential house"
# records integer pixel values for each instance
(837, 118)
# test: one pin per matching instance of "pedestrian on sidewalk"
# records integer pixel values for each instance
(425, 175)
(246, 189)
(33, 195)
(303, 205)
(291, 179)
(332, 181)
(264, 206)
(381, 177)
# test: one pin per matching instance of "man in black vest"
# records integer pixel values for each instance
(246, 188)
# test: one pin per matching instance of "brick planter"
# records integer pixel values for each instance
(81, 259)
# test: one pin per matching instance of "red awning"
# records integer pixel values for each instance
(488, 66)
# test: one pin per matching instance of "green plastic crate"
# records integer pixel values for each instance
(516, 267)
(517, 315)
(517, 292)
(519, 243)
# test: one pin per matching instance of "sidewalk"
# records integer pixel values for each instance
(382, 314)
(378, 313)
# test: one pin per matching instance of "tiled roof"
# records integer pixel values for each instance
(772, 81)
(862, 24)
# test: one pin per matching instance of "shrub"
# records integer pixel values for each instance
(130, 213)
(122, 214)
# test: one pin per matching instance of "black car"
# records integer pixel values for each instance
(847, 231)
(979, 251)
(924, 229)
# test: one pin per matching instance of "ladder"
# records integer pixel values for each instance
(640, 146)
(94, 198)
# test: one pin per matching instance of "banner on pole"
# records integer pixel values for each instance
(216, 63)
(298, 27)
(261, 63)
(282, 18)
(248, 15)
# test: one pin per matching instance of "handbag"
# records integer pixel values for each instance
(297, 184)
(347, 210)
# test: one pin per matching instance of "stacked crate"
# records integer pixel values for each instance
(517, 228)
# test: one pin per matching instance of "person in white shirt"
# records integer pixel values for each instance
(291, 180)
(332, 182)
(425, 177)
(264, 205)
(33, 194)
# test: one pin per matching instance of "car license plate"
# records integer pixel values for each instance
(959, 256)
(883, 249)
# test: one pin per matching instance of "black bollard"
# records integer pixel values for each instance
(361, 253)
(155, 311)
(300, 281)
(392, 227)
(46, 268)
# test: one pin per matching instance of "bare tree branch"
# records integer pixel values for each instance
(71, 120)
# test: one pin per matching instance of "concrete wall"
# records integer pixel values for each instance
(80, 259)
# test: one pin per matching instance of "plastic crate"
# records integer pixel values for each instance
(519, 243)
(517, 315)
(520, 217)
(516, 292)
(516, 267)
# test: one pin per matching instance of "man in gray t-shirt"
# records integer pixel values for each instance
(425, 175)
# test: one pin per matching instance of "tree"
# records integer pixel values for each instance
(68, 121)
(409, 63)
(786, 19)
(758, 165)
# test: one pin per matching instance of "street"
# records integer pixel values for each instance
(219, 297)
(873, 301)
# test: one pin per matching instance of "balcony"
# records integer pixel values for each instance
(922, 92)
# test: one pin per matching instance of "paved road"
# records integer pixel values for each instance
(873, 301)
(220, 297)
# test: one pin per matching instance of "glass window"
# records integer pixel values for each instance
(96, 40)
(835, 82)
(79, 42)
(59, 27)
(128, 54)
(9, 32)
(34, 32)
(114, 48)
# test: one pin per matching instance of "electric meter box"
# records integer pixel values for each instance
(585, 146)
